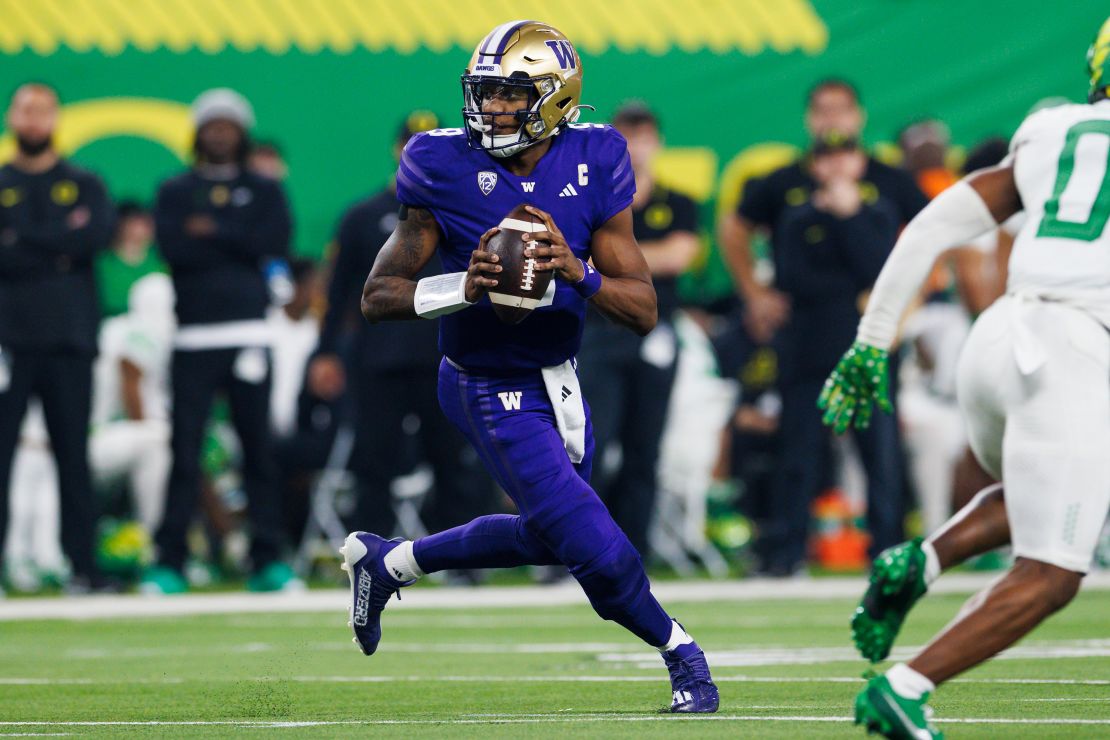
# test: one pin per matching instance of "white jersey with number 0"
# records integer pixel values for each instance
(1061, 167)
(1033, 377)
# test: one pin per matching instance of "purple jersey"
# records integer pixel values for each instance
(583, 180)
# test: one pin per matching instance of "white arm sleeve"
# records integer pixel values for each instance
(440, 294)
(955, 217)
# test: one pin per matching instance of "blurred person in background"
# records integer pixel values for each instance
(304, 425)
(969, 477)
(296, 332)
(130, 437)
(959, 274)
(32, 556)
(130, 256)
(54, 217)
(828, 251)
(993, 248)
(752, 448)
(266, 158)
(964, 282)
(393, 376)
(832, 106)
(924, 146)
(628, 378)
(836, 190)
(216, 223)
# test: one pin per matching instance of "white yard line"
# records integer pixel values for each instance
(524, 618)
(747, 656)
(563, 594)
(30, 681)
(651, 679)
(537, 719)
(1069, 699)
(621, 655)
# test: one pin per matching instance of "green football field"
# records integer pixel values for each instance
(785, 669)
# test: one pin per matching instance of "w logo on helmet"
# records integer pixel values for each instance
(564, 53)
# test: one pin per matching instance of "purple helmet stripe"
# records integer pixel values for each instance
(508, 35)
(494, 44)
(489, 44)
(484, 45)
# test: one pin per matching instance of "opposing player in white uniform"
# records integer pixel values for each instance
(130, 419)
(1034, 388)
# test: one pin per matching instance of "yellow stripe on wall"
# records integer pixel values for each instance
(655, 26)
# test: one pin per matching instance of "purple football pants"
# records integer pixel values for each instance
(561, 518)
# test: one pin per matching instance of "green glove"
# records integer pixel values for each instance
(859, 380)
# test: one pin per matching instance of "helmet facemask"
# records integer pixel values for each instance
(525, 93)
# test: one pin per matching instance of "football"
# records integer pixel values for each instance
(520, 286)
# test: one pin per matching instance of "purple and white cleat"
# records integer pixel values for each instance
(371, 585)
(693, 687)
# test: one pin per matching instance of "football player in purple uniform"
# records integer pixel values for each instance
(512, 388)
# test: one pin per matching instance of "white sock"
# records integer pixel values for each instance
(908, 683)
(932, 562)
(678, 637)
(401, 563)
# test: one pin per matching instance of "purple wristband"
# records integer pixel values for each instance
(590, 282)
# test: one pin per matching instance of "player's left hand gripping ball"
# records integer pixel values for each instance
(859, 380)
(551, 248)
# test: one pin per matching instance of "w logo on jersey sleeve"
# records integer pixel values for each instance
(564, 53)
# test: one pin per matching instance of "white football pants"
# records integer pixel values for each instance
(1034, 387)
(139, 451)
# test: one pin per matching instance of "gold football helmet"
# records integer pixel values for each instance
(517, 61)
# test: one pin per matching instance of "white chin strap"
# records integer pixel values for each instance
(508, 144)
(505, 145)
(513, 143)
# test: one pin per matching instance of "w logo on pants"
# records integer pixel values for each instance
(510, 400)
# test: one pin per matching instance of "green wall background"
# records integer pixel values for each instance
(979, 66)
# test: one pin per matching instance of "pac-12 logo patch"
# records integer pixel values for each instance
(487, 181)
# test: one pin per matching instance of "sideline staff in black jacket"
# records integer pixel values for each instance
(53, 218)
(217, 224)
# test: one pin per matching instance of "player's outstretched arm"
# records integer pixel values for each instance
(969, 208)
(389, 290)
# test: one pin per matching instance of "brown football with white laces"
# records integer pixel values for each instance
(520, 286)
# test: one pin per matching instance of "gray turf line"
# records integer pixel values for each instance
(564, 594)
